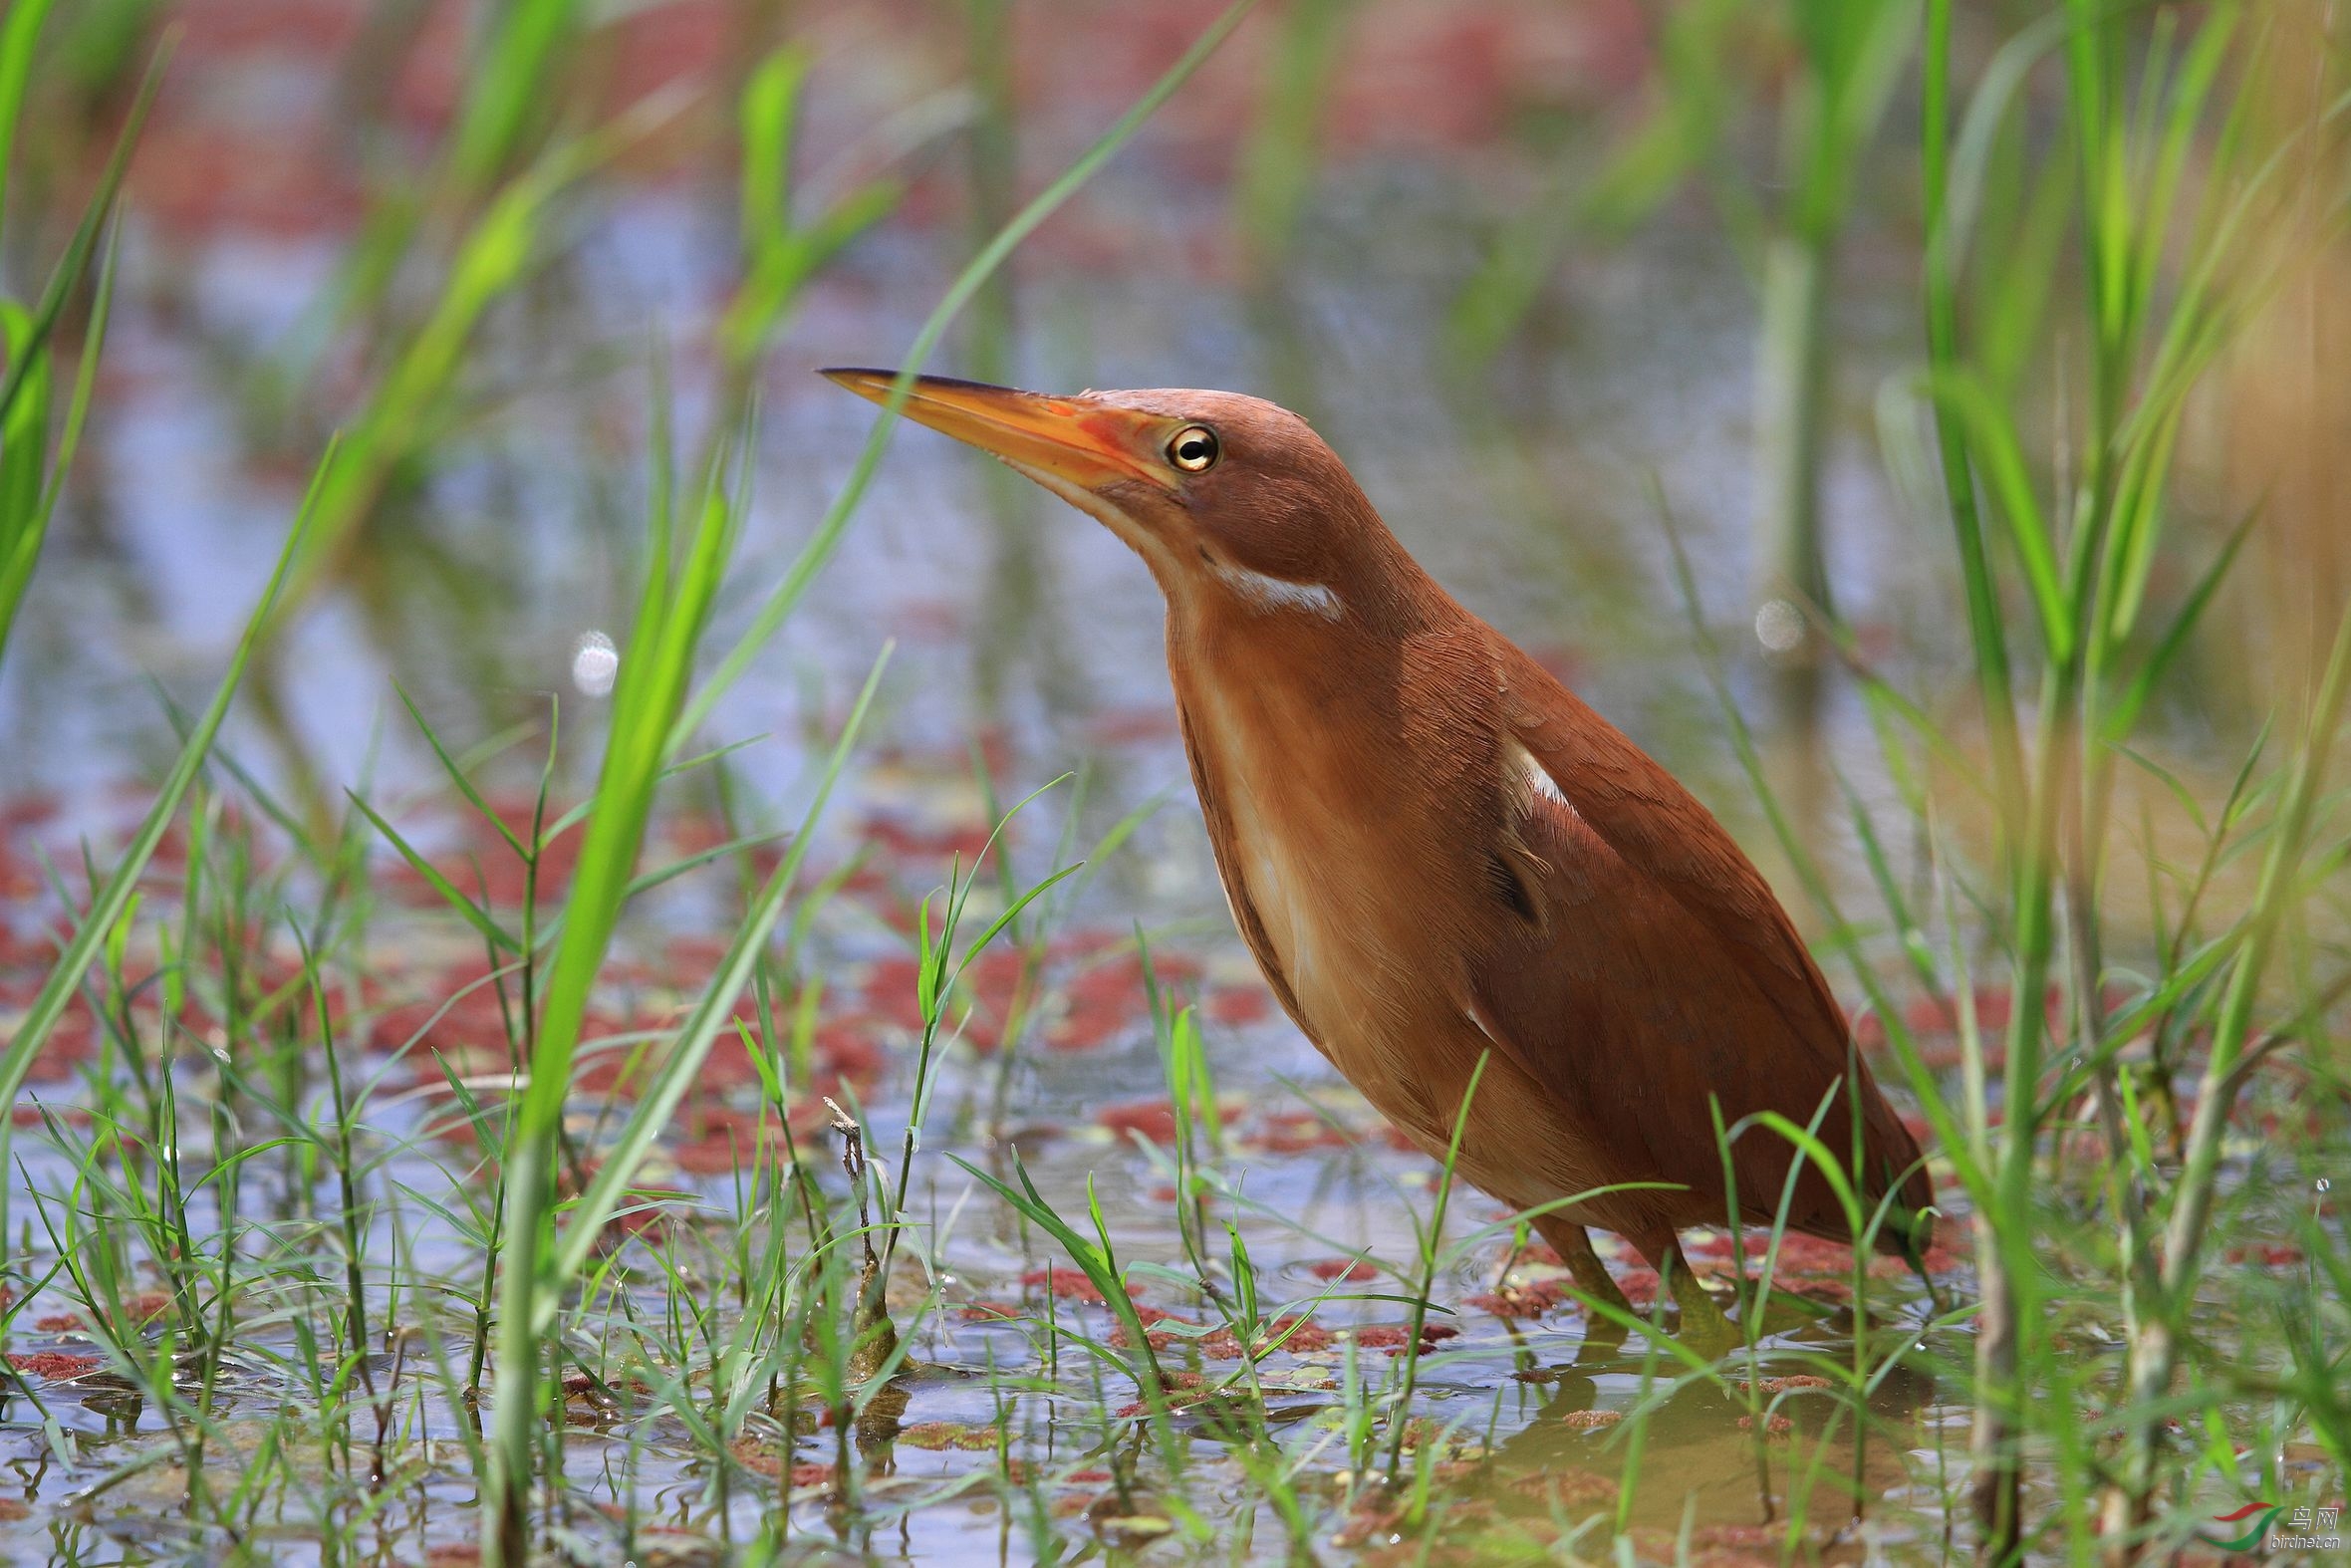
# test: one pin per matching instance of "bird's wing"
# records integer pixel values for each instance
(1657, 968)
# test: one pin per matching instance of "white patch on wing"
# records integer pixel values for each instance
(1534, 778)
(1275, 592)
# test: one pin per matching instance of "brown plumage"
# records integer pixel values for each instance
(1438, 852)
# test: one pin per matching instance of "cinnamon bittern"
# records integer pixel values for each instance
(1440, 854)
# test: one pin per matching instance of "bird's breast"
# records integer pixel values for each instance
(1285, 866)
(1317, 844)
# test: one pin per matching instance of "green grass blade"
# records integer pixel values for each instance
(20, 35)
(474, 914)
(21, 537)
(65, 979)
(71, 266)
(710, 1017)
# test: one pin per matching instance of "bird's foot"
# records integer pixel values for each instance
(1704, 1326)
(1573, 1243)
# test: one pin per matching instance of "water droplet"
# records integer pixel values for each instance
(595, 663)
(1780, 626)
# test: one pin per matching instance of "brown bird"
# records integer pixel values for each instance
(1440, 854)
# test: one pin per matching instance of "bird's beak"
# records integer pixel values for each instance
(1082, 443)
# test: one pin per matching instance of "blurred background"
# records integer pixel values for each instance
(1547, 273)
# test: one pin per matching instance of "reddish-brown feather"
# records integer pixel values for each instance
(1665, 971)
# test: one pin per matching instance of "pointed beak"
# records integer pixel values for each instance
(1079, 442)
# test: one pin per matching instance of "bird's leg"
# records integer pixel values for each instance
(1703, 1321)
(1573, 1243)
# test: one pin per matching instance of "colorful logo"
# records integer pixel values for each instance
(2263, 1514)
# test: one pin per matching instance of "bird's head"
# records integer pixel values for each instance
(1227, 497)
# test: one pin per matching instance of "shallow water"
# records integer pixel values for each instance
(1526, 491)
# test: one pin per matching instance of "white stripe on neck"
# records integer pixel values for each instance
(1536, 778)
(1275, 592)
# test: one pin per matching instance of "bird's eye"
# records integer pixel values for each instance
(1194, 449)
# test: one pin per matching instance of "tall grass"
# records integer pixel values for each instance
(37, 447)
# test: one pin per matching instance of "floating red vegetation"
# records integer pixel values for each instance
(1105, 998)
(2268, 1254)
(1065, 1284)
(484, 866)
(1237, 1005)
(990, 1312)
(1530, 1300)
(1811, 1255)
(648, 1217)
(1155, 1119)
(890, 992)
(1298, 1336)
(1638, 1286)
(1937, 1021)
(931, 847)
(20, 953)
(1801, 1380)
(690, 958)
(1182, 1387)
(1773, 1425)
(1302, 1336)
(1395, 1338)
(691, 833)
(1343, 1269)
(765, 1458)
(72, 1041)
(1148, 1316)
(583, 1386)
(1294, 1133)
(721, 1141)
(40, 1115)
(196, 177)
(714, 1154)
(460, 1011)
(1591, 1421)
(56, 1366)
(997, 986)
(1798, 1254)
